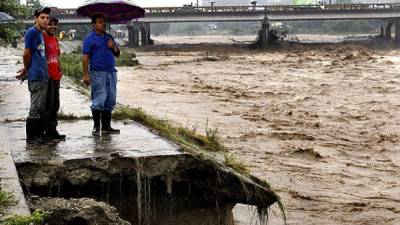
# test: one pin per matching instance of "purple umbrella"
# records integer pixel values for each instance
(115, 11)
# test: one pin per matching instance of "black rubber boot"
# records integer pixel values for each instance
(54, 135)
(106, 123)
(96, 120)
(34, 131)
(30, 130)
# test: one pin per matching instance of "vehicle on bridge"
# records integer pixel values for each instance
(188, 8)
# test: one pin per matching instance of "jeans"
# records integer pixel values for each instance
(38, 91)
(103, 90)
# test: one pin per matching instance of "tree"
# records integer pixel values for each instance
(9, 31)
(12, 7)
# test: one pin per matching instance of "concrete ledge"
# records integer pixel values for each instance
(9, 180)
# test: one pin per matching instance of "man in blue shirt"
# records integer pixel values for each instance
(35, 65)
(99, 50)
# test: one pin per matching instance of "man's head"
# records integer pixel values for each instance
(42, 17)
(52, 27)
(99, 23)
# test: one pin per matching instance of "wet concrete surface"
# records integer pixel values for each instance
(134, 141)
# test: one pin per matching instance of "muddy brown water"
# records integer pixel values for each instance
(318, 122)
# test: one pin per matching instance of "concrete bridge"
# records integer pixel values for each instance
(264, 14)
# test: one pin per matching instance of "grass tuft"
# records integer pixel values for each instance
(38, 217)
(232, 162)
(186, 138)
(71, 117)
(71, 66)
(6, 199)
(127, 59)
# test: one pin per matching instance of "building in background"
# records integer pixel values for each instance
(30, 3)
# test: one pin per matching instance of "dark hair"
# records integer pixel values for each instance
(53, 19)
(94, 18)
(45, 10)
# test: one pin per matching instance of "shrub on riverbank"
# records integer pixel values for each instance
(71, 64)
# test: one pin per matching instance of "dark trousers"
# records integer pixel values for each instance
(52, 105)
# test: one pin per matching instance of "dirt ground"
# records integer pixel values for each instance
(319, 122)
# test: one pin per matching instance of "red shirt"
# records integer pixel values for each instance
(52, 53)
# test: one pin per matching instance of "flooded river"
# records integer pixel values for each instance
(319, 122)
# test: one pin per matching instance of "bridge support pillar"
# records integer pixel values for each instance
(265, 35)
(145, 34)
(263, 38)
(397, 34)
(133, 37)
(388, 33)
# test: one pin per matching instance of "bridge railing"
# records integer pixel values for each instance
(71, 13)
(270, 8)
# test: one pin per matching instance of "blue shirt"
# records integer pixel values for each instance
(101, 58)
(38, 66)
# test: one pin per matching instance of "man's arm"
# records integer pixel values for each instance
(111, 44)
(85, 64)
(116, 51)
(27, 58)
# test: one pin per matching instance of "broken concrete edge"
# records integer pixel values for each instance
(246, 177)
(9, 182)
(239, 189)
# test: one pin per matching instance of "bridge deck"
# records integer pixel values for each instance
(252, 13)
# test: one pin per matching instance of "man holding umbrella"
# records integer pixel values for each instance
(99, 50)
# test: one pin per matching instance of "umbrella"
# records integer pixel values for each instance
(4, 17)
(115, 11)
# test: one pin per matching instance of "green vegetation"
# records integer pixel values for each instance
(71, 64)
(188, 139)
(9, 31)
(71, 117)
(234, 163)
(127, 59)
(37, 218)
(6, 200)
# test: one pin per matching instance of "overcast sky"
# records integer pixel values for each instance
(143, 3)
